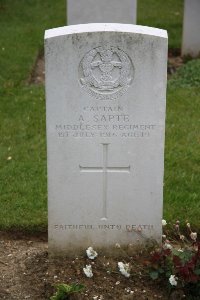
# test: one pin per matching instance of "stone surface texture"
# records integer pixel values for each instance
(105, 94)
(101, 11)
(191, 28)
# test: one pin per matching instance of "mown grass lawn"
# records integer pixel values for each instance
(182, 160)
(23, 202)
(163, 14)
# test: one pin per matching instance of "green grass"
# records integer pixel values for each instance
(22, 29)
(23, 178)
(187, 76)
(182, 160)
(163, 14)
(23, 202)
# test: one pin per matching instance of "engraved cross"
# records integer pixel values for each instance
(105, 169)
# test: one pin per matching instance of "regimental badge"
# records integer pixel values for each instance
(106, 72)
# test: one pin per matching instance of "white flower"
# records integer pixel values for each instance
(88, 271)
(193, 236)
(167, 246)
(91, 253)
(124, 269)
(173, 280)
(188, 225)
(128, 289)
(117, 245)
(164, 223)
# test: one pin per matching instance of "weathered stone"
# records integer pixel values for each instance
(105, 92)
(191, 28)
(101, 11)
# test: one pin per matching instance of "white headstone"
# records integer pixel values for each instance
(101, 11)
(191, 28)
(105, 93)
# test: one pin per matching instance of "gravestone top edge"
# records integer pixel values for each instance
(105, 27)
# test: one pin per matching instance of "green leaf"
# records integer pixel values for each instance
(161, 271)
(77, 288)
(197, 271)
(154, 275)
(63, 290)
(168, 274)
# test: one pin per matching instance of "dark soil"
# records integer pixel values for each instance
(175, 61)
(37, 75)
(26, 272)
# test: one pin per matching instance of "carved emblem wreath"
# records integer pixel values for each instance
(106, 72)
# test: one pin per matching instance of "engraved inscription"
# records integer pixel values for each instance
(129, 228)
(105, 122)
(104, 130)
(106, 72)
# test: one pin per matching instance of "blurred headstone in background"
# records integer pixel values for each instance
(191, 28)
(101, 11)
